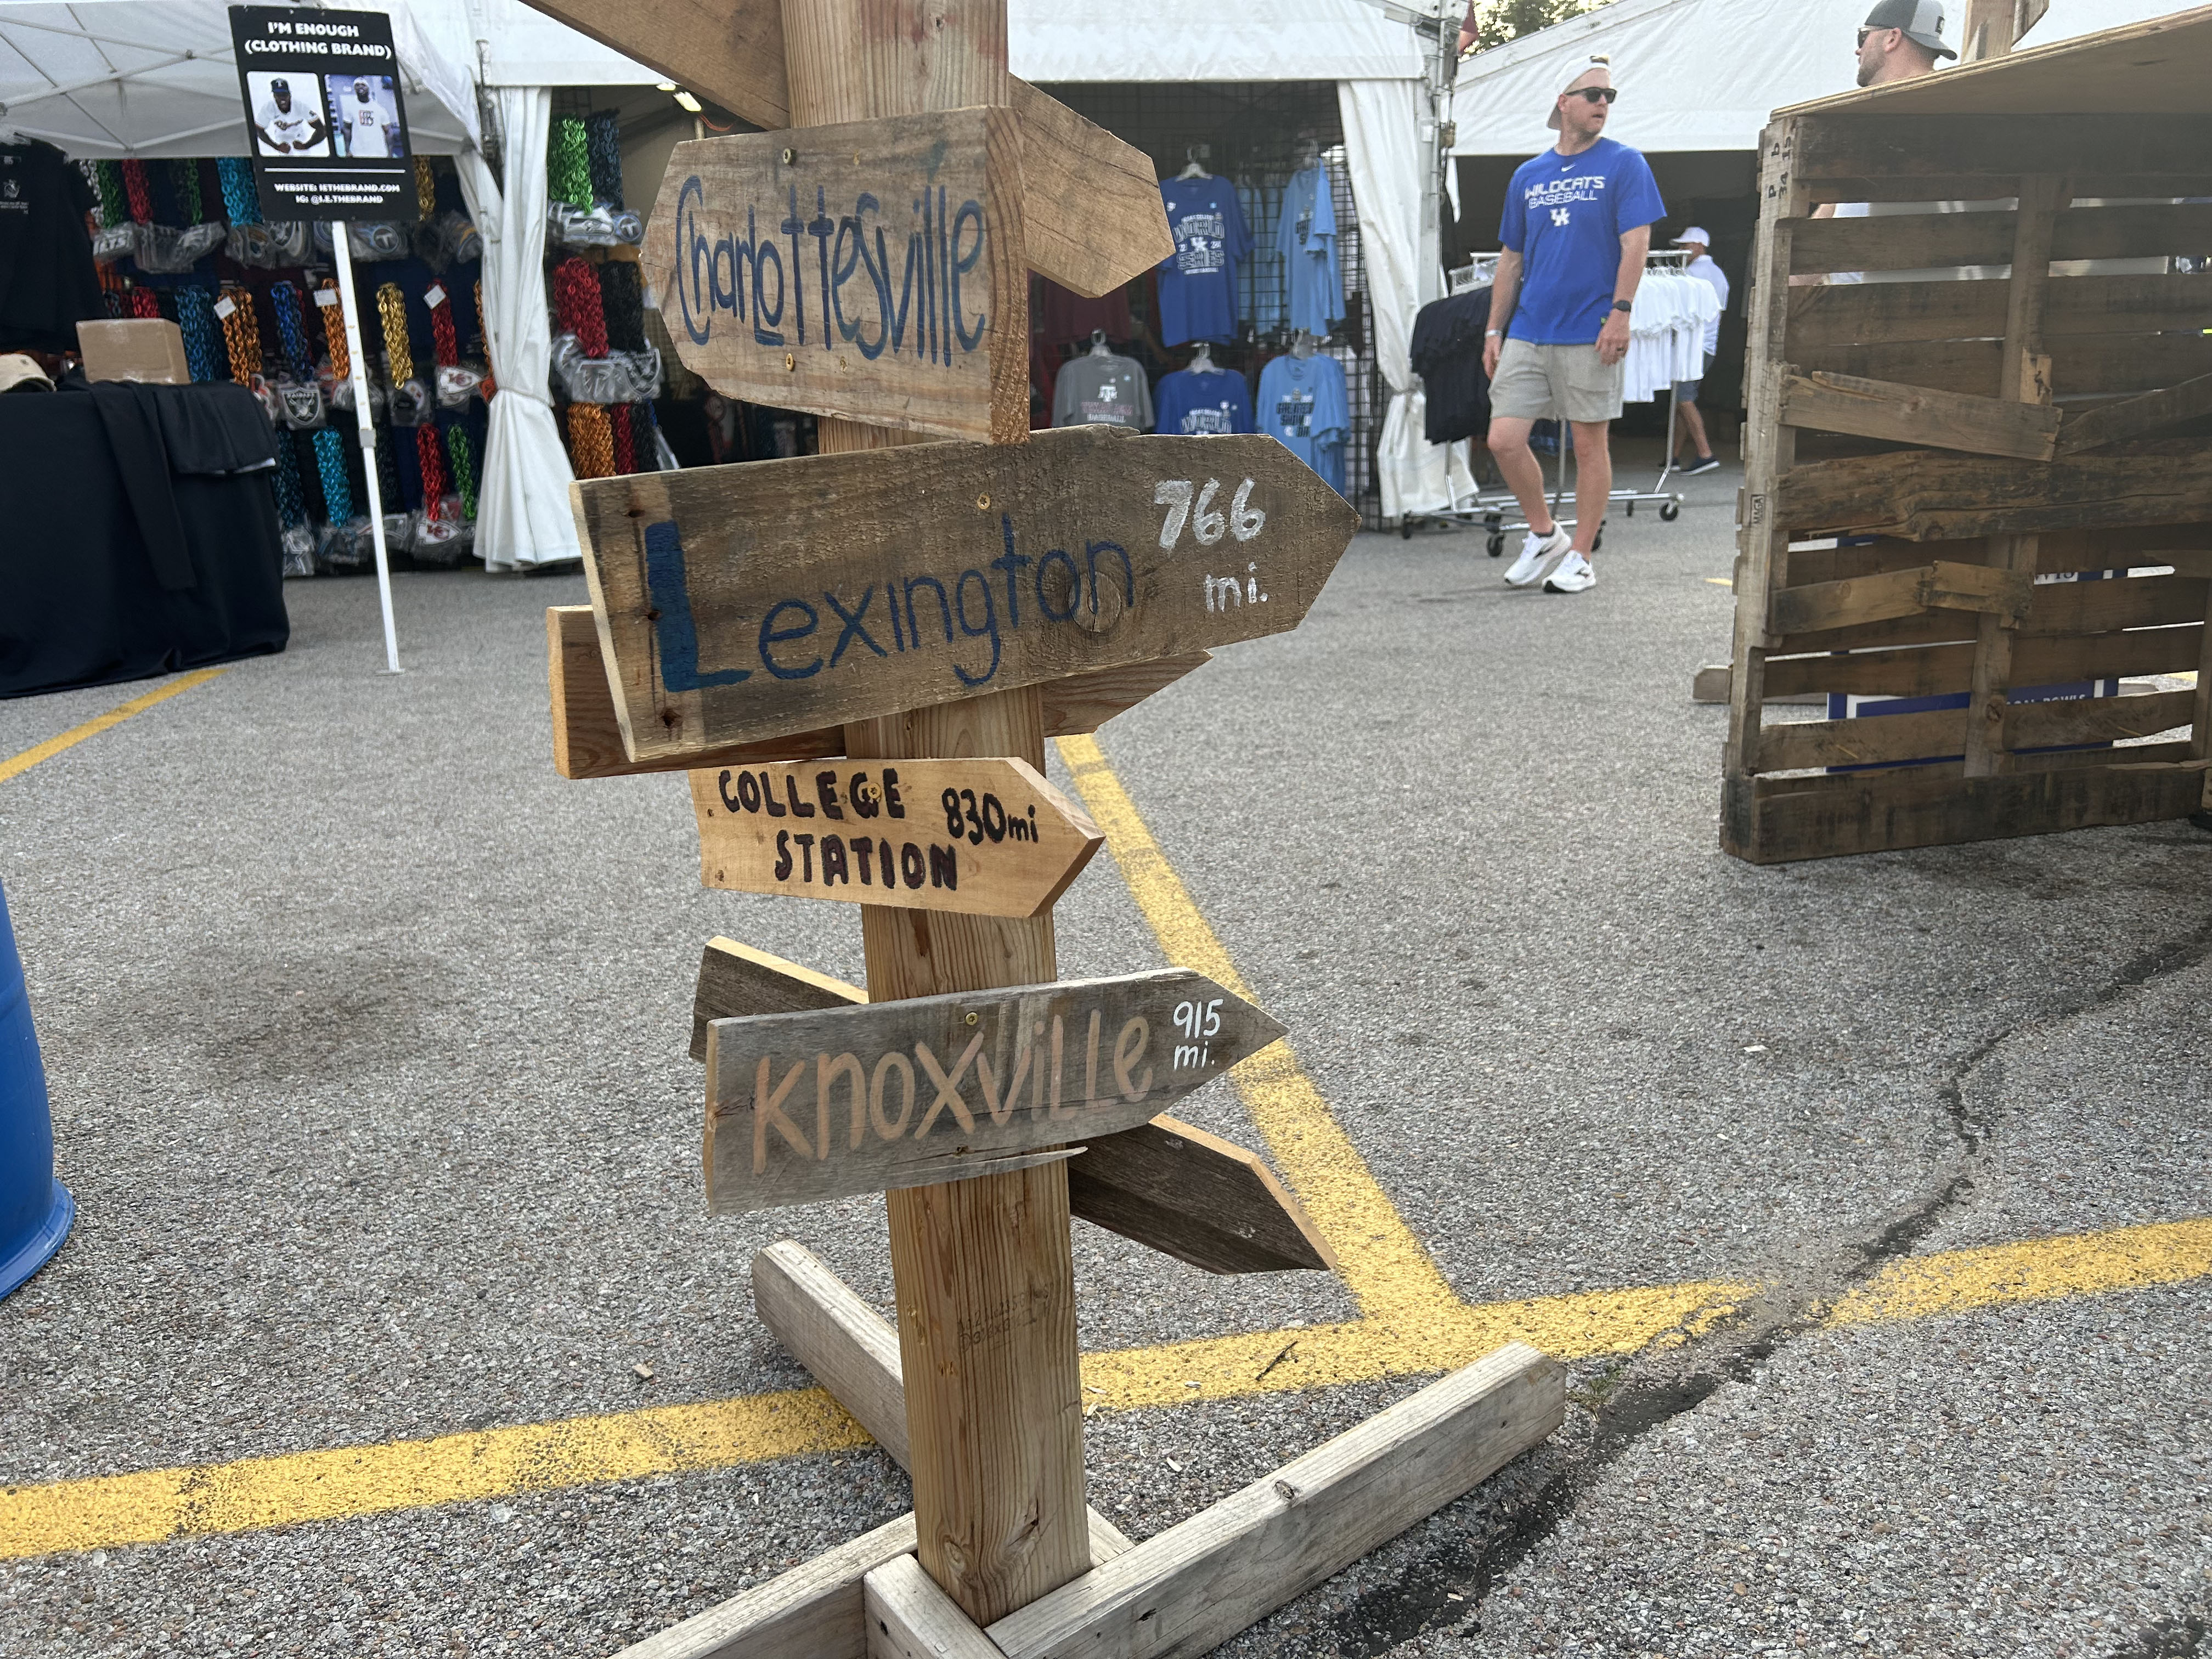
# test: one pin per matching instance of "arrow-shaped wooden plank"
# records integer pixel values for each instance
(1164, 1184)
(738, 604)
(808, 1107)
(1092, 217)
(987, 837)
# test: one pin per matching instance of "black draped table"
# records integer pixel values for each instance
(138, 533)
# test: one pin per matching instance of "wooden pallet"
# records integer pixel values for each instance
(1978, 489)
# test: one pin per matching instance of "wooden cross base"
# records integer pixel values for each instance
(1182, 1592)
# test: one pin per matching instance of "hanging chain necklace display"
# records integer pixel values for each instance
(330, 466)
(334, 337)
(242, 202)
(397, 349)
(291, 326)
(136, 191)
(577, 303)
(186, 175)
(196, 322)
(591, 441)
(464, 471)
(114, 201)
(426, 187)
(241, 335)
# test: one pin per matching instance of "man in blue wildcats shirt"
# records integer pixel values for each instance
(1577, 224)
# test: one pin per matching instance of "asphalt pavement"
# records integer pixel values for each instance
(365, 1037)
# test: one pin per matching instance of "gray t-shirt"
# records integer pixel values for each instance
(1094, 391)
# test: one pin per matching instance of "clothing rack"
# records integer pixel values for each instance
(1493, 510)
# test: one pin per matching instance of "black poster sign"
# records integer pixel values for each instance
(323, 110)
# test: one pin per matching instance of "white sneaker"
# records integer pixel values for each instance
(1574, 575)
(1538, 554)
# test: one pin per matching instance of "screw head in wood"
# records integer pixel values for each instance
(971, 1017)
(790, 157)
(982, 503)
(789, 360)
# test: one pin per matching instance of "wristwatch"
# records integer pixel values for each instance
(1624, 305)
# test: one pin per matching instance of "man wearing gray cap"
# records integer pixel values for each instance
(1901, 38)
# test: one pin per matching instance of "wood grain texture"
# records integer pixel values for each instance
(2111, 423)
(1846, 314)
(814, 1610)
(806, 1107)
(719, 591)
(2053, 608)
(1930, 495)
(587, 739)
(1916, 241)
(909, 1618)
(2092, 549)
(1917, 415)
(1185, 1590)
(729, 53)
(760, 249)
(1007, 844)
(1885, 811)
(1859, 599)
(1941, 669)
(2081, 365)
(1920, 146)
(739, 981)
(1880, 738)
(1121, 229)
(853, 1352)
(1200, 1199)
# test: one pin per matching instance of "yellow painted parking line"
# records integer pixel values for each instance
(17, 764)
(1382, 1264)
(1720, 581)
(255, 1494)
(2041, 1270)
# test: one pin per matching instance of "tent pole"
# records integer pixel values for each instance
(343, 255)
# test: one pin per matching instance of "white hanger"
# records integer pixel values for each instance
(1192, 169)
(1203, 362)
(1098, 346)
(1302, 344)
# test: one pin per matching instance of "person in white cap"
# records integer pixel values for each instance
(1707, 269)
(1576, 226)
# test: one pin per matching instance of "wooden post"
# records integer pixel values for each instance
(1770, 451)
(2024, 376)
(985, 1276)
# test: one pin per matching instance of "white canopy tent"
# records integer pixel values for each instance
(1701, 75)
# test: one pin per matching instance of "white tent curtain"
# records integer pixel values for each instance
(1382, 149)
(522, 510)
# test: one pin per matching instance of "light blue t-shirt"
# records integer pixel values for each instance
(1305, 236)
(1302, 406)
(1566, 215)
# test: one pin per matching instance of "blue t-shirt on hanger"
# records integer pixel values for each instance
(1261, 282)
(1197, 280)
(1565, 216)
(1214, 401)
(1305, 235)
(1304, 406)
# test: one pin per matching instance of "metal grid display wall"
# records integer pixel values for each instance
(1256, 134)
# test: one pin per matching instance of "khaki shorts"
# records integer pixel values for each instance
(1552, 382)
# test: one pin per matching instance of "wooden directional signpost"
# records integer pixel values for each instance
(858, 656)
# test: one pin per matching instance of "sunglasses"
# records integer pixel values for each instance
(1864, 33)
(1595, 95)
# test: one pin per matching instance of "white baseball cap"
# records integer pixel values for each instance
(1697, 233)
(1600, 63)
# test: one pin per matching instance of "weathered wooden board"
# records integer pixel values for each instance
(1877, 739)
(2094, 548)
(1091, 206)
(1090, 202)
(873, 269)
(1185, 1590)
(1894, 313)
(1938, 671)
(984, 837)
(1164, 1184)
(1940, 585)
(1916, 415)
(803, 1108)
(741, 603)
(587, 739)
(1825, 817)
(1928, 495)
(1883, 145)
(2080, 364)
(2054, 608)
(909, 1618)
(1919, 241)
(2108, 423)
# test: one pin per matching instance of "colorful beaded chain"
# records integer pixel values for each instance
(577, 304)
(185, 179)
(443, 346)
(399, 350)
(242, 202)
(330, 467)
(603, 146)
(464, 470)
(334, 334)
(567, 163)
(291, 501)
(195, 321)
(431, 458)
(291, 326)
(426, 188)
(241, 335)
(591, 442)
(136, 191)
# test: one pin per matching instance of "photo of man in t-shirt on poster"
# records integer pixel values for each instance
(1576, 226)
(283, 126)
(367, 119)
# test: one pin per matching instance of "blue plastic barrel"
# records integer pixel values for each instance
(35, 1209)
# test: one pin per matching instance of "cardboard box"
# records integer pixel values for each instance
(147, 349)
